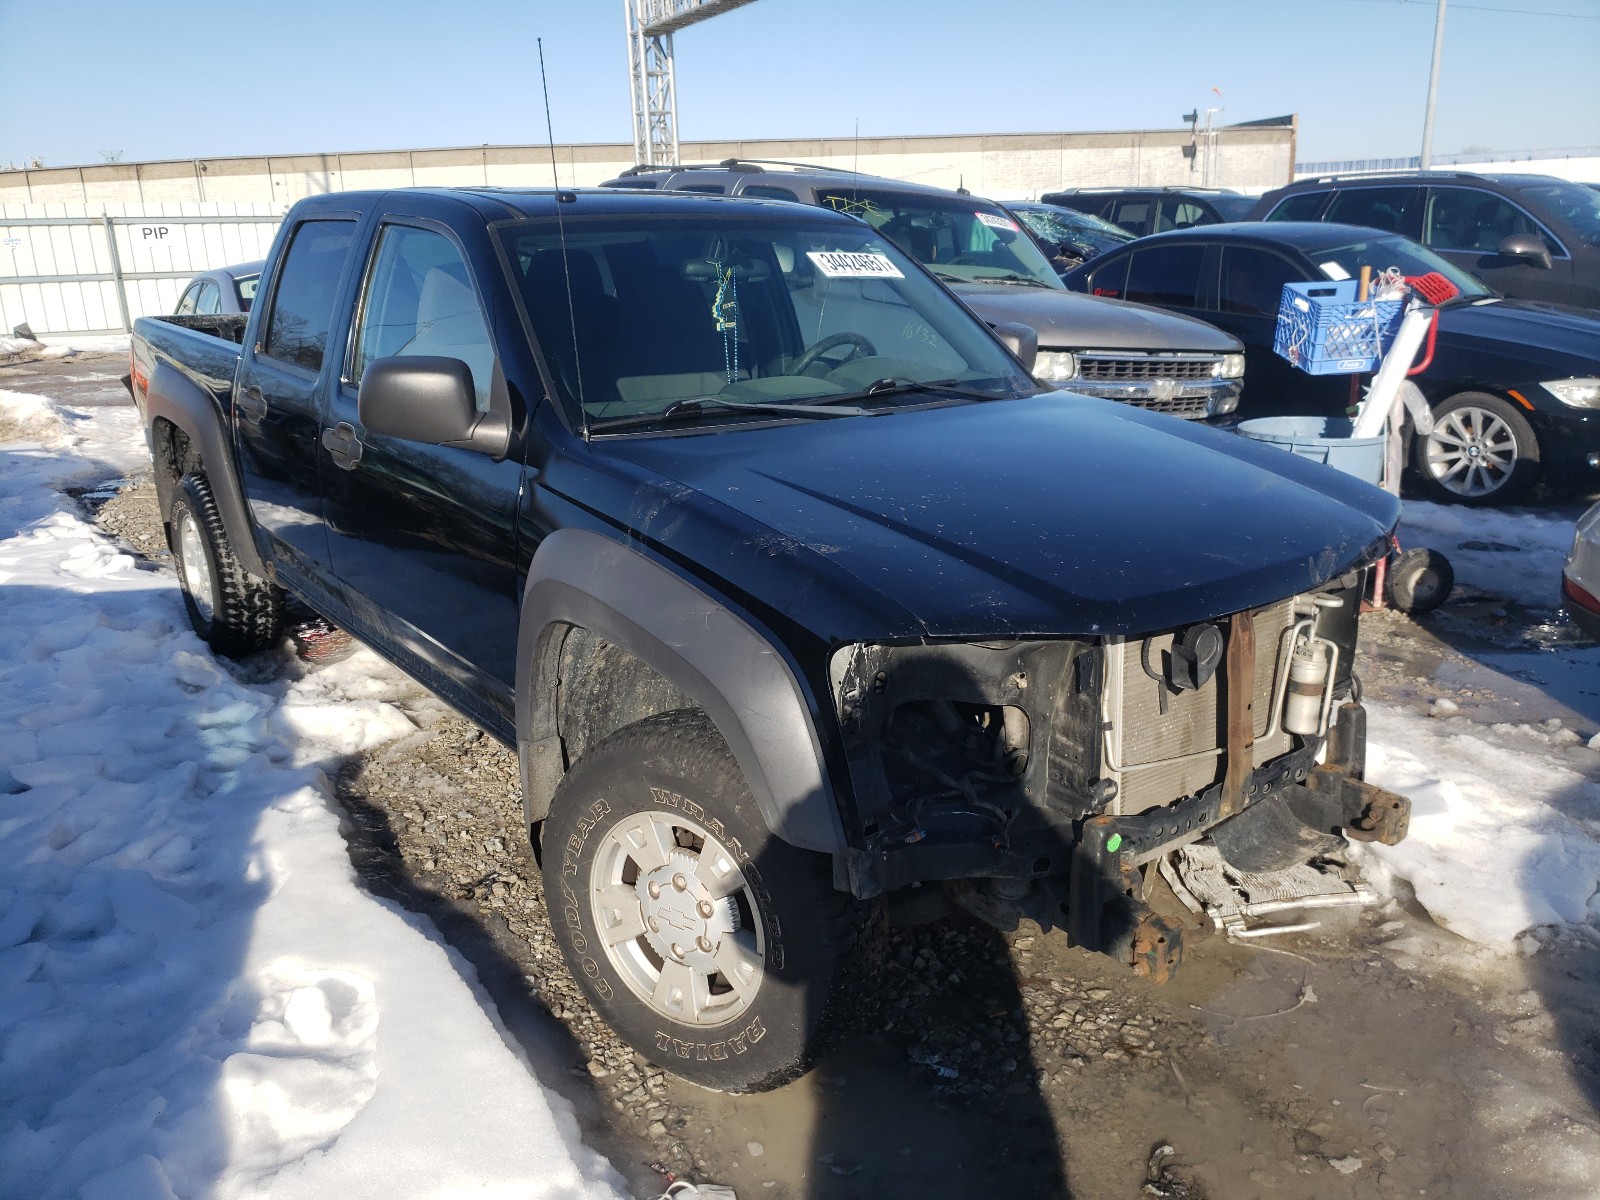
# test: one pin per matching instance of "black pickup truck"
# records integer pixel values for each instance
(789, 585)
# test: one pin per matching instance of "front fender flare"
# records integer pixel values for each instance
(737, 674)
(175, 398)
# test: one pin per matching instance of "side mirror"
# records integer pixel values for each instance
(1528, 247)
(1021, 340)
(429, 400)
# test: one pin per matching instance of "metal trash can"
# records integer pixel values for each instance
(1323, 439)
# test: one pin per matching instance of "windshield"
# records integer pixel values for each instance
(1575, 204)
(641, 314)
(1065, 225)
(1381, 253)
(961, 239)
(1232, 208)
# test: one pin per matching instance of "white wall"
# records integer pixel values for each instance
(149, 242)
(1014, 165)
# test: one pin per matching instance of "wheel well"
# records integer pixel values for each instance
(598, 688)
(173, 455)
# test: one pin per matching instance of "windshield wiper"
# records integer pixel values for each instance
(698, 406)
(1012, 277)
(897, 387)
(1005, 277)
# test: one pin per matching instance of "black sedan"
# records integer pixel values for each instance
(1514, 384)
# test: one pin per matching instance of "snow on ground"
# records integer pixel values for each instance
(197, 998)
(1503, 838)
(1510, 554)
(18, 349)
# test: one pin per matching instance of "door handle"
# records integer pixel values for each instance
(342, 445)
(252, 405)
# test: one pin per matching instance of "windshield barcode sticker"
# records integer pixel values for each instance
(996, 221)
(844, 264)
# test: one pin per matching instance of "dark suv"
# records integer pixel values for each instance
(1128, 352)
(1534, 237)
(1145, 210)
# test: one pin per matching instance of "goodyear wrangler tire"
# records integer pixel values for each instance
(716, 950)
(233, 611)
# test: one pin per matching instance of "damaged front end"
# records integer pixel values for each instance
(1040, 778)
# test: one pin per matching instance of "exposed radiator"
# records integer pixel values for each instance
(1157, 758)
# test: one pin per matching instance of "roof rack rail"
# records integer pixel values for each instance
(1407, 172)
(752, 165)
(1152, 187)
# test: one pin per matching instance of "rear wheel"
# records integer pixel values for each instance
(716, 950)
(1481, 451)
(236, 613)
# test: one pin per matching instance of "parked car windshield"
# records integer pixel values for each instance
(639, 315)
(1067, 225)
(959, 238)
(1381, 253)
(1577, 205)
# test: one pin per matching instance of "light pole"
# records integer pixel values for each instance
(1433, 87)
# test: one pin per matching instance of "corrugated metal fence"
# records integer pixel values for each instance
(64, 269)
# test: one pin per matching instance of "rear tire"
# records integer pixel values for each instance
(233, 612)
(716, 950)
(1481, 451)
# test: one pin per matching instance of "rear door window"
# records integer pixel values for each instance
(1166, 275)
(1391, 209)
(1303, 206)
(1252, 280)
(1133, 215)
(210, 300)
(308, 286)
(1182, 214)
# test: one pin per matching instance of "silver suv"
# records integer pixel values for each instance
(1099, 347)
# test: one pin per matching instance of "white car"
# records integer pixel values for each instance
(1580, 579)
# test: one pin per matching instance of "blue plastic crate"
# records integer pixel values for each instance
(1324, 330)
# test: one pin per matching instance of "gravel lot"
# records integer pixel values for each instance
(1377, 1056)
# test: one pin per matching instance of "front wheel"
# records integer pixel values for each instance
(1481, 451)
(714, 949)
(232, 610)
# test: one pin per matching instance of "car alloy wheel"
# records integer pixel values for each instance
(677, 919)
(1472, 452)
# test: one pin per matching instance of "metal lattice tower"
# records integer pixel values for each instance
(651, 24)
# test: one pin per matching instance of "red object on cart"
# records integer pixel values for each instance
(1435, 289)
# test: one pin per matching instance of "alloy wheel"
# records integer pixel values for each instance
(678, 919)
(1472, 451)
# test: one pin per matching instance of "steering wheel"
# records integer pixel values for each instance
(859, 346)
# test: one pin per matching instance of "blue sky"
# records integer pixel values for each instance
(172, 79)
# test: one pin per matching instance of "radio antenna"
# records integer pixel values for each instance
(561, 232)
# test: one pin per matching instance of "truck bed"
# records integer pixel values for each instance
(204, 348)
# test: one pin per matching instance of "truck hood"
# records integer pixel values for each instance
(1072, 321)
(1052, 515)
